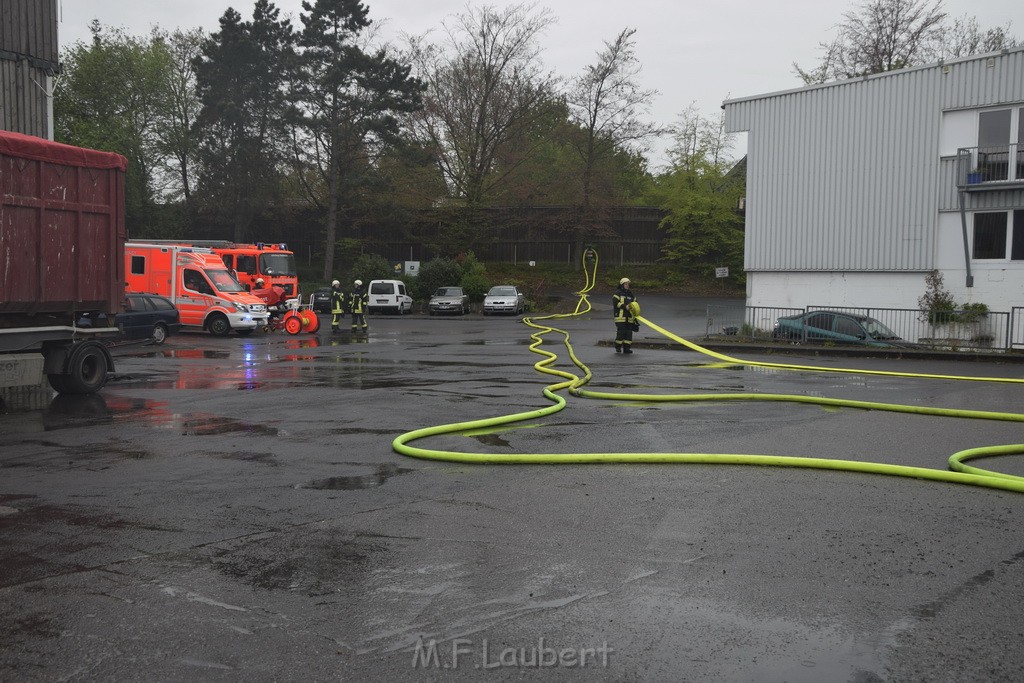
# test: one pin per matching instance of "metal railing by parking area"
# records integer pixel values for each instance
(942, 330)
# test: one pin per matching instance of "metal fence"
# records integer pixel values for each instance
(947, 330)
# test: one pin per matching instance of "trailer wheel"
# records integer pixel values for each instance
(219, 325)
(57, 382)
(86, 370)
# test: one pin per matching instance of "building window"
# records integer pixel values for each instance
(999, 235)
(1001, 144)
(1017, 244)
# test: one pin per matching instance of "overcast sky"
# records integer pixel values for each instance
(691, 52)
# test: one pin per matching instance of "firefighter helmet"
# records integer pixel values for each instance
(335, 284)
(259, 281)
(624, 281)
(359, 283)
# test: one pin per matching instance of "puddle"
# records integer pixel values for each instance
(304, 343)
(492, 440)
(158, 415)
(360, 430)
(212, 425)
(248, 456)
(366, 481)
(498, 342)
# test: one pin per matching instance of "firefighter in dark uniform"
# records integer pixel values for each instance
(624, 308)
(337, 305)
(357, 303)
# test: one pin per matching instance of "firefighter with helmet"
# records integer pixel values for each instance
(625, 309)
(337, 305)
(357, 304)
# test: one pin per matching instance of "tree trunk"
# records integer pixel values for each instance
(331, 229)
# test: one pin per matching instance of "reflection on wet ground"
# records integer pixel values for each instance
(380, 475)
(157, 414)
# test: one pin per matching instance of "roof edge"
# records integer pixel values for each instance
(884, 74)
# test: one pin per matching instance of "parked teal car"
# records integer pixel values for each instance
(837, 327)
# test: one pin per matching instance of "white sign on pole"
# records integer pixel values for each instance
(721, 272)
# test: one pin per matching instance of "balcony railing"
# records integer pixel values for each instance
(990, 168)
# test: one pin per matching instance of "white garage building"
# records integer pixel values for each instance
(857, 189)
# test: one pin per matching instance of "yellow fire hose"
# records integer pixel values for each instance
(961, 473)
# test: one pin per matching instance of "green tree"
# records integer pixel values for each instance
(111, 97)
(351, 100)
(486, 88)
(243, 74)
(176, 137)
(701, 195)
(608, 107)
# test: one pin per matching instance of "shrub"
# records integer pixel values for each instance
(972, 312)
(438, 272)
(937, 305)
(475, 285)
(369, 267)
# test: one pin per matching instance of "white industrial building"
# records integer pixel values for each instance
(857, 189)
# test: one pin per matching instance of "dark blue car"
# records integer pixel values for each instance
(145, 316)
(148, 316)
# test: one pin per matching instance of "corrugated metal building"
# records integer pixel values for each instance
(854, 188)
(29, 60)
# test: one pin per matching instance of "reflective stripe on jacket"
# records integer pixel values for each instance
(620, 305)
(357, 301)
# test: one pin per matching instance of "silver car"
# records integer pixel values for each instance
(449, 300)
(504, 299)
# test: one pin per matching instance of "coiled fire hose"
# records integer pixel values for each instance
(959, 472)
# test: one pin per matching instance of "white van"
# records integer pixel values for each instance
(388, 296)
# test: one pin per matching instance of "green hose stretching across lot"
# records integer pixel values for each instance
(961, 474)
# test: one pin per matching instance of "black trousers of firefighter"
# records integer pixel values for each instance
(623, 337)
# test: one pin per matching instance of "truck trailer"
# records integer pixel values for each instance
(62, 238)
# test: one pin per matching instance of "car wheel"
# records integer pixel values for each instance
(159, 334)
(219, 325)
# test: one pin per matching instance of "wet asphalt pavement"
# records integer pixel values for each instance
(232, 509)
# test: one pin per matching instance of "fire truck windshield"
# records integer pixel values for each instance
(277, 264)
(224, 281)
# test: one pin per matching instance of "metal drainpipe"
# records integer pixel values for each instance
(967, 248)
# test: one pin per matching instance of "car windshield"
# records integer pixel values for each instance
(877, 330)
(224, 281)
(448, 291)
(502, 291)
